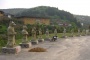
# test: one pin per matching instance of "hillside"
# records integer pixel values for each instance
(51, 12)
(45, 11)
(83, 19)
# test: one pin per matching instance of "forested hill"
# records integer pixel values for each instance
(44, 11)
(41, 11)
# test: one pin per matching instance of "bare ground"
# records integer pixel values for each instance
(74, 48)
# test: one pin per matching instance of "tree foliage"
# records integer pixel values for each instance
(50, 12)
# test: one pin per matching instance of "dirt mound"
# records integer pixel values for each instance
(37, 49)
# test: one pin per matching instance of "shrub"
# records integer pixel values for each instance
(3, 40)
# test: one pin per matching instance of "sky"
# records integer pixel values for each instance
(78, 7)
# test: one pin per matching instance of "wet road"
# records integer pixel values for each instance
(74, 48)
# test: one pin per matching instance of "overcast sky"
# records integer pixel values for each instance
(80, 7)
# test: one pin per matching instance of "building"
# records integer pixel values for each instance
(1, 13)
(33, 20)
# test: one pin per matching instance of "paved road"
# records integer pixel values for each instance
(76, 48)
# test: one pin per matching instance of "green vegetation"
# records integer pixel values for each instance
(83, 19)
(53, 13)
(56, 15)
(18, 29)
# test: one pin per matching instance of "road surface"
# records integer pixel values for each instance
(74, 48)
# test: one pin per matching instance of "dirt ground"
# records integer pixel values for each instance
(71, 48)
